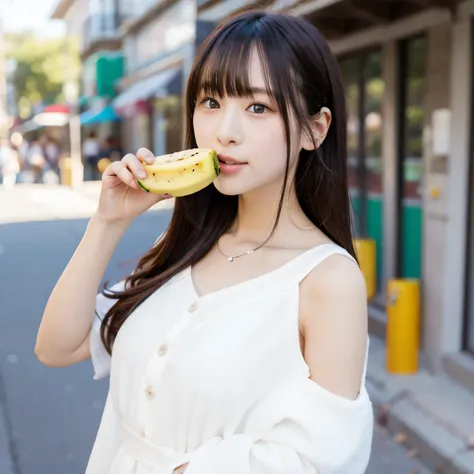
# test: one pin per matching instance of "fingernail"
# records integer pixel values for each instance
(142, 174)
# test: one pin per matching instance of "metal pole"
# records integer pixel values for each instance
(71, 92)
(3, 74)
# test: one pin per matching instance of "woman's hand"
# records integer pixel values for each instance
(180, 469)
(121, 198)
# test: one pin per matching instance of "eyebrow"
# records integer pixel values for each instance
(258, 90)
(253, 90)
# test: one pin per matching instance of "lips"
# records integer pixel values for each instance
(230, 165)
(229, 160)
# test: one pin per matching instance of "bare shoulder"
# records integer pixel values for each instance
(337, 274)
(334, 326)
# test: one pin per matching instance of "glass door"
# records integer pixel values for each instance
(469, 290)
(412, 94)
(469, 322)
(364, 87)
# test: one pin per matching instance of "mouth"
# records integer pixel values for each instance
(228, 160)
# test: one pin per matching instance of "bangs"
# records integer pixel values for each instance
(296, 87)
(225, 68)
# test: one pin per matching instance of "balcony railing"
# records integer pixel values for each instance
(100, 27)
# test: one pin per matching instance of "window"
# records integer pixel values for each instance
(364, 88)
(413, 89)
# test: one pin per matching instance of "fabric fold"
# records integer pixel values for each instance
(303, 429)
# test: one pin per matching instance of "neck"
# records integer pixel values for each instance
(257, 213)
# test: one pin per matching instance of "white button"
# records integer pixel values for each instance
(193, 307)
(150, 391)
(142, 433)
(163, 349)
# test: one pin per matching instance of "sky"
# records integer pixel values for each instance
(32, 15)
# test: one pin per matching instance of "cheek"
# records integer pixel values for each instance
(197, 129)
(269, 146)
(202, 130)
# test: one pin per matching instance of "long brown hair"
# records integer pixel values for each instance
(302, 76)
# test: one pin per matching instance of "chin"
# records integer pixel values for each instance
(231, 187)
(227, 190)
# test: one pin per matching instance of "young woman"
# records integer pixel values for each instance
(239, 343)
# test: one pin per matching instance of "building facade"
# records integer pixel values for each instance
(408, 86)
(407, 70)
(96, 24)
(159, 48)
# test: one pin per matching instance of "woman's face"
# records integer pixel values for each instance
(247, 132)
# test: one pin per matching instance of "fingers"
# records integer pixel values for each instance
(180, 469)
(120, 169)
(135, 166)
(131, 167)
(146, 155)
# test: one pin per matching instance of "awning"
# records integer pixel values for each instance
(29, 126)
(339, 18)
(132, 99)
(56, 109)
(105, 114)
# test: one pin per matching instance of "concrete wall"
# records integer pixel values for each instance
(449, 86)
(457, 203)
(173, 28)
(434, 206)
(76, 17)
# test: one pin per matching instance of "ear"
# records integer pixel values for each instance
(320, 124)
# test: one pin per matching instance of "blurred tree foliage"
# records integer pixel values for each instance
(42, 67)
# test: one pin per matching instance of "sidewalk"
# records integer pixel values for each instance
(430, 414)
(36, 202)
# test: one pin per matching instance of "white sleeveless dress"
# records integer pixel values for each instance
(219, 381)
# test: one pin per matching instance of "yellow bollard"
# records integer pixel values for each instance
(403, 326)
(102, 164)
(365, 250)
(65, 169)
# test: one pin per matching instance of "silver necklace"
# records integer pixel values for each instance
(231, 258)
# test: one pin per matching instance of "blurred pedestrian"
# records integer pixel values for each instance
(51, 152)
(112, 149)
(91, 157)
(9, 165)
(36, 161)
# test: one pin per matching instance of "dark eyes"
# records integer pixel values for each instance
(256, 108)
(212, 103)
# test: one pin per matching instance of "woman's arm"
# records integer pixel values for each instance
(63, 336)
(334, 325)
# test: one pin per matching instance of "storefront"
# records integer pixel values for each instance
(364, 82)
(169, 126)
(468, 333)
(364, 85)
(398, 82)
(412, 60)
(151, 108)
(468, 339)
(159, 48)
(101, 73)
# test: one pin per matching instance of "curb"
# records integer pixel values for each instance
(439, 448)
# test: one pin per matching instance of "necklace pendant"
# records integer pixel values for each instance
(230, 259)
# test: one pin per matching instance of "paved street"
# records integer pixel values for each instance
(49, 417)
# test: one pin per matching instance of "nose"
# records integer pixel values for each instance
(230, 127)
